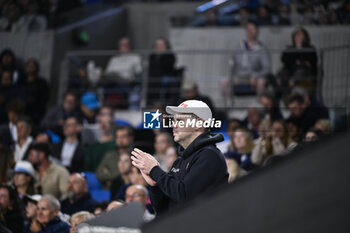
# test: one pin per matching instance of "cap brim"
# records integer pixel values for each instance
(174, 109)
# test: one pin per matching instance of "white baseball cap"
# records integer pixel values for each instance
(196, 107)
(34, 198)
(25, 167)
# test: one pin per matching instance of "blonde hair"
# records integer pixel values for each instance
(82, 216)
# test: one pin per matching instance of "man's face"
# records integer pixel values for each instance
(77, 184)
(123, 139)
(45, 212)
(295, 109)
(4, 199)
(70, 127)
(21, 179)
(254, 116)
(266, 102)
(31, 210)
(134, 194)
(181, 133)
(251, 31)
(34, 157)
(69, 103)
(12, 115)
(22, 129)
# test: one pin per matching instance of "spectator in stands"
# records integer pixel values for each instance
(56, 116)
(264, 16)
(43, 137)
(8, 62)
(162, 142)
(271, 110)
(79, 81)
(24, 178)
(79, 197)
(47, 219)
(70, 152)
(308, 16)
(126, 67)
(108, 170)
(208, 19)
(253, 121)
(305, 112)
(10, 209)
(294, 130)
(6, 164)
(324, 125)
(100, 208)
(299, 63)
(170, 157)
(276, 143)
(89, 106)
(32, 20)
(313, 134)
(284, 15)
(252, 62)
(24, 129)
(8, 132)
(78, 218)
(124, 167)
(242, 143)
(10, 20)
(8, 92)
(96, 152)
(53, 178)
(138, 193)
(36, 90)
(243, 16)
(190, 91)
(31, 207)
(161, 70)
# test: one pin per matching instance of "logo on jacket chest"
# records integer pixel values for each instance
(175, 170)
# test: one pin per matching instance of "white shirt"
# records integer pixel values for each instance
(13, 131)
(125, 65)
(67, 152)
(20, 151)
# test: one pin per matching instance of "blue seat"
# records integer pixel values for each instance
(100, 195)
(92, 181)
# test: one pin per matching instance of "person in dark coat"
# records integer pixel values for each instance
(47, 219)
(10, 209)
(200, 167)
(80, 198)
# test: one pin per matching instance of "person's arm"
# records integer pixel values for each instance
(63, 182)
(108, 169)
(160, 202)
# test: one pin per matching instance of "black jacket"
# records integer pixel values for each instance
(85, 203)
(77, 163)
(201, 166)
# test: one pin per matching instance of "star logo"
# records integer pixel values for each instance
(151, 120)
(155, 115)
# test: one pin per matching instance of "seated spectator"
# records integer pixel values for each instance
(264, 16)
(52, 178)
(190, 91)
(31, 207)
(324, 125)
(294, 130)
(43, 137)
(79, 197)
(78, 218)
(162, 142)
(96, 152)
(161, 70)
(24, 129)
(138, 193)
(114, 205)
(70, 152)
(283, 15)
(10, 210)
(271, 106)
(252, 61)
(299, 64)
(124, 167)
(9, 22)
(242, 143)
(47, 219)
(14, 109)
(276, 143)
(89, 106)
(8, 62)
(253, 121)
(243, 16)
(32, 20)
(108, 170)
(170, 157)
(36, 91)
(6, 164)
(308, 16)
(24, 178)
(313, 134)
(305, 112)
(56, 116)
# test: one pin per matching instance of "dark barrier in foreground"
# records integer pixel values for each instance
(308, 191)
